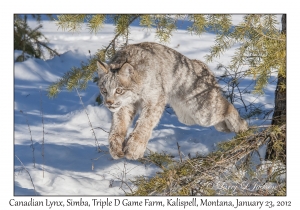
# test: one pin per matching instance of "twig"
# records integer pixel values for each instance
(93, 166)
(102, 129)
(123, 173)
(43, 142)
(24, 38)
(122, 182)
(32, 147)
(111, 183)
(96, 140)
(113, 40)
(268, 37)
(90, 54)
(241, 97)
(168, 111)
(127, 33)
(179, 152)
(51, 50)
(27, 173)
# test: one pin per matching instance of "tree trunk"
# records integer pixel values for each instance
(279, 116)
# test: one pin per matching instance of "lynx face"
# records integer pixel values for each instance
(115, 96)
(116, 85)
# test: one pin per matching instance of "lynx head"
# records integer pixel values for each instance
(117, 84)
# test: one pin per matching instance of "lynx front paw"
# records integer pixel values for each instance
(134, 148)
(115, 147)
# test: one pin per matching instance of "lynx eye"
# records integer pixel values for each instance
(103, 91)
(119, 91)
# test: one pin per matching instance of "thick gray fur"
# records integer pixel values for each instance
(142, 78)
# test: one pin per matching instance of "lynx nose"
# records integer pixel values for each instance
(109, 102)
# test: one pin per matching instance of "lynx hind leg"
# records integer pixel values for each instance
(183, 114)
(221, 126)
(185, 119)
(233, 120)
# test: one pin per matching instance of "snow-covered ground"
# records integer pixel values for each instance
(71, 163)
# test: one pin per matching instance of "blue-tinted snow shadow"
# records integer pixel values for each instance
(33, 102)
(64, 157)
(72, 157)
(62, 160)
(20, 191)
(33, 77)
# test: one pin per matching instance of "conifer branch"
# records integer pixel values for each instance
(118, 34)
(179, 178)
(48, 48)
(199, 23)
(96, 23)
(28, 40)
(72, 22)
(268, 37)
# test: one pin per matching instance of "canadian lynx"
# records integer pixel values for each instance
(143, 78)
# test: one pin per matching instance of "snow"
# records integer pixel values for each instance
(72, 165)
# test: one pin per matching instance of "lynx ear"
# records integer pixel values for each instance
(126, 71)
(102, 67)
